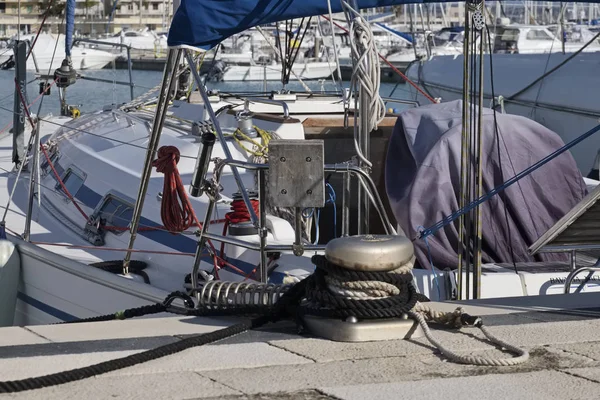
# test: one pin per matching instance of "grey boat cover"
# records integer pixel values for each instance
(422, 176)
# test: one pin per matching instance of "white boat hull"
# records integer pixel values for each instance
(565, 101)
(55, 289)
(317, 70)
(83, 59)
(49, 52)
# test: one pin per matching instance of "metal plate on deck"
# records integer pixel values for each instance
(296, 177)
(363, 331)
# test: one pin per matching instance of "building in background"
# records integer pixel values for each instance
(92, 17)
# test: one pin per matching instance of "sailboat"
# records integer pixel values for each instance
(107, 219)
(47, 56)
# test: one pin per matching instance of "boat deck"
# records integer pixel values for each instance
(276, 363)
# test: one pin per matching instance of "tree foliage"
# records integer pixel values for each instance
(54, 8)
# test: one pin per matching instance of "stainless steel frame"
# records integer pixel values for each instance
(297, 247)
(576, 272)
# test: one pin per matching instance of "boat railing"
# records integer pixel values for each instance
(283, 104)
(569, 279)
(129, 63)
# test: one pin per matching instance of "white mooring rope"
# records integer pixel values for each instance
(366, 70)
(378, 290)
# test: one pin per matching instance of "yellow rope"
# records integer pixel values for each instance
(263, 148)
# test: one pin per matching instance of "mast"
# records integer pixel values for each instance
(20, 51)
(470, 223)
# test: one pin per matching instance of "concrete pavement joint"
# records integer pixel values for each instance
(293, 352)
(37, 334)
(575, 353)
(577, 375)
(219, 382)
(295, 395)
(329, 396)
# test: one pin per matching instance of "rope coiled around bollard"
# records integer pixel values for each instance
(324, 302)
(336, 292)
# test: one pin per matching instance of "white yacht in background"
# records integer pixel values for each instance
(138, 40)
(48, 60)
(533, 78)
(537, 39)
(309, 69)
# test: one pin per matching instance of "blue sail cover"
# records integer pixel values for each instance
(70, 26)
(203, 24)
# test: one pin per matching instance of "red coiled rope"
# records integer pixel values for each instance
(176, 211)
(238, 214)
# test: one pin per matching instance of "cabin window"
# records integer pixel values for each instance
(116, 212)
(155, 6)
(506, 40)
(538, 34)
(72, 181)
(130, 34)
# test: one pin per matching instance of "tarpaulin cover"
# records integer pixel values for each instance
(423, 182)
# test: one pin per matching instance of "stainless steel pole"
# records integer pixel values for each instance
(173, 58)
(129, 66)
(32, 179)
(262, 231)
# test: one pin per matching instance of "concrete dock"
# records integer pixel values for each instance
(276, 363)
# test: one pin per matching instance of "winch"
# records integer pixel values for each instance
(245, 123)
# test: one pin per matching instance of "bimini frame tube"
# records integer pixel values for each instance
(166, 89)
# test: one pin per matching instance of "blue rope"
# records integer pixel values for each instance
(435, 276)
(449, 219)
(317, 230)
(331, 200)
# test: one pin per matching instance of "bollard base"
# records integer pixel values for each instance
(362, 331)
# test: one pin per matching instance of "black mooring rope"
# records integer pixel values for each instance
(318, 302)
(321, 302)
(282, 307)
(113, 365)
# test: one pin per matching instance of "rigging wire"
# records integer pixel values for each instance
(557, 67)
(402, 75)
(335, 50)
(541, 85)
(336, 83)
(32, 138)
(498, 138)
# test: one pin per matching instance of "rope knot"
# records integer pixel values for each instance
(168, 158)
